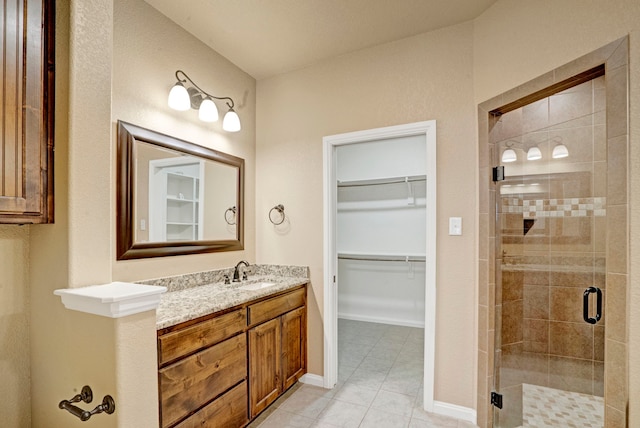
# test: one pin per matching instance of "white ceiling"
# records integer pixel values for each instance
(268, 37)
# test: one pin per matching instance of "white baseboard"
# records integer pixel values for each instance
(455, 411)
(312, 379)
(381, 320)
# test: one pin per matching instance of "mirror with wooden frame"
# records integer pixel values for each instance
(175, 197)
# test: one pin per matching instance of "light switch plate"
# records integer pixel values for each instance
(455, 226)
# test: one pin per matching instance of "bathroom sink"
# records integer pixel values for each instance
(257, 286)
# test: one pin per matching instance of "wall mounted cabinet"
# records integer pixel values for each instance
(27, 105)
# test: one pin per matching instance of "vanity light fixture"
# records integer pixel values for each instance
(534, 153)
(182, 99)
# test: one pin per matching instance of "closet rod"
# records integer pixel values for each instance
(380, 181)
(384, 258)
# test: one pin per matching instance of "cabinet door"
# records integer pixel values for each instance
(26, 106)
(265, 381)
(294, 347)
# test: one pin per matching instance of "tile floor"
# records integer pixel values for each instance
(548, 407)
(380, 377)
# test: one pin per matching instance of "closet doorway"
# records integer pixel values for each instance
(379, 242)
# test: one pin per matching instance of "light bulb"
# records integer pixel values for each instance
(231, 121)
(534, 153)
(509, 155)
(179, 98)
(560, 151)
(208, 112)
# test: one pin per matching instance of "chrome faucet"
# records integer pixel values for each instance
(236, 271)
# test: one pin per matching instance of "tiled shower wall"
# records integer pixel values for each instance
(569, 218)
(552, 233)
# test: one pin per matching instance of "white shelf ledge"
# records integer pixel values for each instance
(115, 300)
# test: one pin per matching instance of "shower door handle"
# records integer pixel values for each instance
(585, 305)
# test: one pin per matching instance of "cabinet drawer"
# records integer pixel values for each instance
(230, 410)
(183, 342)
(276, 306)
(191, 382)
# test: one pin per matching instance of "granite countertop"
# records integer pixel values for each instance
(189, 303)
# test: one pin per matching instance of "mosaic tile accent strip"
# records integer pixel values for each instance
(548, 407)
(539, 208)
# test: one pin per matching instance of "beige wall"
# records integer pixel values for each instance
(148, 49)
(440, 75)
(516, 41)
(14, 325)
(416, 79)
(512, 43)
(117, 62)
(34, 263)
(70, 349)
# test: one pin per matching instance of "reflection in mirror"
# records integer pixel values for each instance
(181, 198)
(172, 196)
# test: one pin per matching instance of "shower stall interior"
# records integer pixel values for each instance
(551, 237)
(553, 247)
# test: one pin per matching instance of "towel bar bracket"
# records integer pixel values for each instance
(85, 395)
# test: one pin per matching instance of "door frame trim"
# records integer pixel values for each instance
(330, 311)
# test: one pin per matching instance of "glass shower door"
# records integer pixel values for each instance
(550, 262)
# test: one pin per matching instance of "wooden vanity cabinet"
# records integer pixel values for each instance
(202, 373)
(277, 347)
(224, 369)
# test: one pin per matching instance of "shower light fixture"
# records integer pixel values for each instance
(181, 99)
(534, 153)
(560, 151)
(509, 155)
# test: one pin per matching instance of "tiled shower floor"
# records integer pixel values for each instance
(380, 377)
(548, 407)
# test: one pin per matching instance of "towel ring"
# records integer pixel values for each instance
(280, 209)
(230, 219)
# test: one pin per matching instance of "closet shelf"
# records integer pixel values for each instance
(379, 181)
(383, 257)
